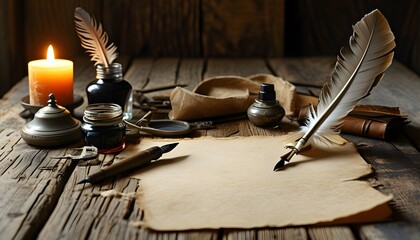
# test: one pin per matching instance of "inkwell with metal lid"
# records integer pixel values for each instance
(266, 111)
(109, 86)
(52, 126)
(104, 128)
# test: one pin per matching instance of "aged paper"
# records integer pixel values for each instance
(230, 183)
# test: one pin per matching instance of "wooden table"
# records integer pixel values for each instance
(39, 196)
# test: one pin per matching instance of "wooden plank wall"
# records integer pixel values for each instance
(186, 28)
(11, 48)
(51, 22)
(198, 28)
(322, 27)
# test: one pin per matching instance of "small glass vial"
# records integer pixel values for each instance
(110, 87)
(103, 127)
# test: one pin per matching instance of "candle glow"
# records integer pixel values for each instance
(50, 53)
(50, 75)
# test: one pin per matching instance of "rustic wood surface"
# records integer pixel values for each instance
(40, 196)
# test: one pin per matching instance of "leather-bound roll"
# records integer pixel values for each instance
(367, 120)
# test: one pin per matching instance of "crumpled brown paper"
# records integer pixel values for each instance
(227, 95)
(230, 183)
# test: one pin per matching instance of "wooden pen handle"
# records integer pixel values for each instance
(128, 164)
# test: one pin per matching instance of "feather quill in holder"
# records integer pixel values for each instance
(94, 39)
(359, 68)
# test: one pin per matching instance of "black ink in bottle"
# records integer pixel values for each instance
(110, 87)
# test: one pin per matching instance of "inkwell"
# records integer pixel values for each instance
(109, 86)
(103, 127)
(52, 126)
(266, 111)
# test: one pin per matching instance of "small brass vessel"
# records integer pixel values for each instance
(266, 111)
(52, 126)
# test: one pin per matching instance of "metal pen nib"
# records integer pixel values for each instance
(283, 160)
(133, 162)
(300, 143)
(168, 147)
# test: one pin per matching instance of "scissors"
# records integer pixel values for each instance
(167, 128)
(155, 102)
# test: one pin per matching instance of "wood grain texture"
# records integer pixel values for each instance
(12, 67)
(191, 72)
(407, 31)
(243, 28)
(198, 28)
(243, 67)
(323, 27)
(31, 185)
(31, 181)
(396, 172)
(154, 28)
(308, 72)
(394, 230)
(164, 71)
(10, 105)
(5, 69)
(139, 76)
(326, 233)
(297, 233)
(40, 194)
(52, 22)
(83, 213)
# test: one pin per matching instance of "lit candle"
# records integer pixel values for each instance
(50, 76)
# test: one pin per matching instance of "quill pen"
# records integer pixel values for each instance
(358, 69)
(94, 39)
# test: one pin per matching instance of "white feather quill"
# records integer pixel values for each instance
(94, 39)
(358, 69)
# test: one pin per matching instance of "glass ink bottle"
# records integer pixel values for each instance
(266, 111)
(103, 127)
(110, 87)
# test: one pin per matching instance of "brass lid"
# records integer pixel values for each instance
(52, 125)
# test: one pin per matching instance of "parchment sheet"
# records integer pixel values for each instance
(230, 183)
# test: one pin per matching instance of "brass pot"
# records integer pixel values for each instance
(52, 126)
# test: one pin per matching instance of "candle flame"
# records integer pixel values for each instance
(50, 53)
